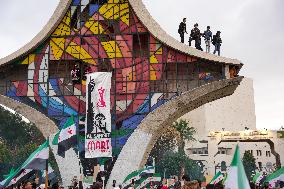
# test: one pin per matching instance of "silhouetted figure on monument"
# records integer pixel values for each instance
(216, 41)
(207, 38)
(196, 36)
(182, 29)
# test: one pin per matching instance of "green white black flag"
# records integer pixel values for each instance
(236, 176)
(66, 137)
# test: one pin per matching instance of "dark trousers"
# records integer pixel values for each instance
(182, 37)
(198, 44)
(217, 48)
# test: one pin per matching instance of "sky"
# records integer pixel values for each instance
(252, 31)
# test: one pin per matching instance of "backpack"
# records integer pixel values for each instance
(194, 34)
(214, 40)
(180, 28)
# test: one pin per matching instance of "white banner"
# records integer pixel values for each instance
(98, 118)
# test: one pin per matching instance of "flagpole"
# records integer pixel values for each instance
(46, 171)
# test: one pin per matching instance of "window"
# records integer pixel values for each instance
(268, 154)
(260, 165)
(140, 45)
(258, 152)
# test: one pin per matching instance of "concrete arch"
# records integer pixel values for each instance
(138, 147)
(68, 166)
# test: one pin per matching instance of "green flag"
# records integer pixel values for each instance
(66, 137)
(36, 161)
(275, 177)
(236, 176)
(217, 178)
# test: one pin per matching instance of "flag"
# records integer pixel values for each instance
(217, 178)
(236, 178)
(152, 180)
(66, 137)
(258, 177)
(273, 178)
(136, 175)
(18, 177)
(36, 161)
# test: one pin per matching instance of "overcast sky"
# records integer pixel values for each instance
(252, 31)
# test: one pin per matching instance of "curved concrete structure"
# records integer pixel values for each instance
(138, 147)
(47, 127)
(43, 123)
(144, 16)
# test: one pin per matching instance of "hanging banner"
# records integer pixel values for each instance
(98, 118)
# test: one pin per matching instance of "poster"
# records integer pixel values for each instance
(98, 116)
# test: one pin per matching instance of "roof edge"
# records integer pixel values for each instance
(156, 30)
(144, 16)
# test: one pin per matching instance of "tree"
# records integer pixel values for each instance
(18, 139)
(185, 133)
(173, 139)
(172, 162)
(249, 164)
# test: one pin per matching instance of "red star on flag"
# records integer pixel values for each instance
(70, 131)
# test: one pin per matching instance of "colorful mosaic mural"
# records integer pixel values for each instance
(106, 36)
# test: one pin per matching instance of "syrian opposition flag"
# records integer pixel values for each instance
(217, 178)
(276, 177)
(18, 177)
(36, 161)
(66, 137)
(236, 176)
(136, 175)
(147, 182)
(258, 177)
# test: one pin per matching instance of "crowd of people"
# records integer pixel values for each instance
(196, 35)
(184, 183)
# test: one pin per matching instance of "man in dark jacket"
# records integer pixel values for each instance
(196, 36)
(217, 42)
(182, 29)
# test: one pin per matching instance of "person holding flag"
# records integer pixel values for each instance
(217, 178)
(236, 176)
(38, 160)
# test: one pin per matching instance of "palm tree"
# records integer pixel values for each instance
(185, 133)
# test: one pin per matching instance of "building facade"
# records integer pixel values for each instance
(216, 150)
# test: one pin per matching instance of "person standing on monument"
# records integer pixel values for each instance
(182, 29)
(196, 36)
(207, 38)
(216, 41)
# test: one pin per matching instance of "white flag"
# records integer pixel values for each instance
(98, 119)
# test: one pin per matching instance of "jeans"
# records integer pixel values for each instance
(207, 43)
(198, 44)
(217, 48)
(182, 37)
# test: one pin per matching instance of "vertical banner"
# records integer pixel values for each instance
(98, 118)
